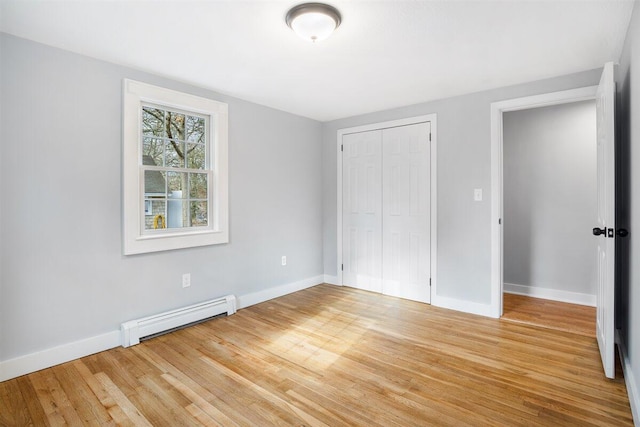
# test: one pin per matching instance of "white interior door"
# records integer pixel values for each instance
(361, 210)
(605, 232)
(406, 212)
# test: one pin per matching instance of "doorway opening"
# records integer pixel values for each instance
(498, 110)
(549, 200)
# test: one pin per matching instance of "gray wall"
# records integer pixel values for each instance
(63, 276)
(550, 198)
(464, 163)
(628, 212)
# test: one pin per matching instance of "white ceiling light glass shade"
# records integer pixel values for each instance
(313, 21)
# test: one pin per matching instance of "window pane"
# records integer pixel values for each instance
(177, 181)
(196, 156)
(177, 210)
(152, 151)
(199, 214)
(154, 184)
(174, 151)
(175, 130)
(152, 121)
(195, 129)
(198, 185)
(156, 214)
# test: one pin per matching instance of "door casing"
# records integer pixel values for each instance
(497, 109)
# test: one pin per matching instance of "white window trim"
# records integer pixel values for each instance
(134, 240)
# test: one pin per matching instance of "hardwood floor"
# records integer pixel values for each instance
(579, 319)
(331, 356)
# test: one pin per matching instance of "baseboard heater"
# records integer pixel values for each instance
(135, 330)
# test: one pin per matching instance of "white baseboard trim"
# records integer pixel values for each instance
(332, 280)
(632, 386)
(248, 300)
(551, 294)
(53, 356)
(462, 305)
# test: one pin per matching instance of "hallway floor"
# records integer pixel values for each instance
(579, 319)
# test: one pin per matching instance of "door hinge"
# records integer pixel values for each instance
(429, 136)
(341, 267)
(500, 221)
(429, 281)
(341, 147)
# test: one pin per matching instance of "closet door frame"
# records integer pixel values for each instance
(432, 119)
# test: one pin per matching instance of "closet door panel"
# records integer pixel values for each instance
(406, 209)
(362, 210)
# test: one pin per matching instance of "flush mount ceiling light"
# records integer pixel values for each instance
(313, 21)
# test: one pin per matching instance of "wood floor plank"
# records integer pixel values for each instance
(131, 411)
(198, 395)
(334, 356)
(213, 413)
(226, 395)
(106, 400)
(81, 397)
(273, 398)
(11, 397)
(203, 418)
(54, 400)
(37, 416)
(167, 405)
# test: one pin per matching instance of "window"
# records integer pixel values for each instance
(175, 169)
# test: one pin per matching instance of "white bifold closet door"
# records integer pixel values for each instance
(386, 211)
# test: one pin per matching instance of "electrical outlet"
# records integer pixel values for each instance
(284, 260)
(186, 280)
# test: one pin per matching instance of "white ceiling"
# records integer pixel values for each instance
(385, 54)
